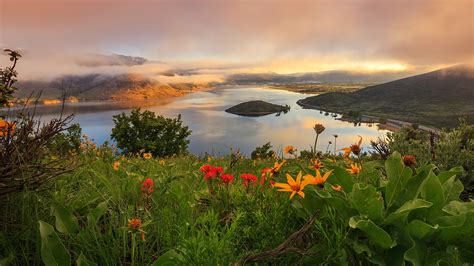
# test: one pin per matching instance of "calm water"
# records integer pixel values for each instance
(215, 131)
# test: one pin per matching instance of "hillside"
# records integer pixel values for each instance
(95, 87)
(436, 98)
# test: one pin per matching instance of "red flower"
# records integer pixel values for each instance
(134, 223)
(227, 178)
(211, 172)
(409, 160)
(248, 178)
(147, 186)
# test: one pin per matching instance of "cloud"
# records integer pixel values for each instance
(248, 36)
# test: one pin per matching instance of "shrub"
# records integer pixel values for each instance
(68, 141)
(263, 152)
(145, 131)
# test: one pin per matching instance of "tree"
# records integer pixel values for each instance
(8, 78)
(145, 131)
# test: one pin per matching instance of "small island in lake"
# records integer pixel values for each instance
(257, 108)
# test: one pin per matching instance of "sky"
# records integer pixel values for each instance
(226, 36)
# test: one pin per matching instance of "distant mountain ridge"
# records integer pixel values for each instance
(437, 98)
(94, 87)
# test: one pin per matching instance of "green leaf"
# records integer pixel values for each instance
(171, 258)
(445, 175)
(406, 209)
(432, 191)
(5, 261)
(452, 188)
(398, 176)
(53, 251)
(367, 201)
(457, 207)
(65, 222)
(341, 177)
(420, 229)
(83, 261)
(416, 253)
(376, 234)
(95, 214)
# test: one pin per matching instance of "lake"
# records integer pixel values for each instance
(215, 131)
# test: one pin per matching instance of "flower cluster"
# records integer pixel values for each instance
(6, 128)
(147, 186)
(211, 172)
(354, 148)
(248, 179)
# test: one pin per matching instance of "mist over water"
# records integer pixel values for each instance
(215, 131)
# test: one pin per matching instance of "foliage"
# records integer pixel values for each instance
(145, 131)
(67, 142)
(263, 152)
(451, 148)
(8, 77)
(402, 216)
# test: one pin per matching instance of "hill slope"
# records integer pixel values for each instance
(94, 87)
(436, 98)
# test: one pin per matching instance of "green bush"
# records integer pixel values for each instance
(145, 131)
(396, 215)
(450, 149)
(263, 152)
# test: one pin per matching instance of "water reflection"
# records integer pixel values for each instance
(216, 131)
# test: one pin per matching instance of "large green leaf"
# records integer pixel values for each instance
(169, 258)
(398, 176)
(452, 188)
(457, 207)
(432, 191)
(367, 201)
(65, 221)
(445, 175)
(406, 209)
(53, 251)
(416, 254)
(412, 188)
(340, 176)
(94, 215)
(376, 234)
(83, 261)
(420, 229)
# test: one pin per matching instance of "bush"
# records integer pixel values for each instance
(145, 131)
(263, 152)
(68, 141)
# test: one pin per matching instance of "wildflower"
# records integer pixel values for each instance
(248, 178)
(277, 166)
(227, 178)
(319, 128)
(6, 128)
(162, 162)
(318, 179)
(354, 168)
(147, 186)
(211, 172)
(317, 164)
(409, 160)
(134, 224)
(337, 188)
(295, 187)
(354, 148)
(289, 150)
(116, 165)
(147, 155)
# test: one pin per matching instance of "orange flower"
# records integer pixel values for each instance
(293, 186)
(318, 179)
(317, 164)
(116, 165)
(289, 149)
(354, 168)
(134, 224)
(6, 128)
(354, 148)
(147, 155)
(337, 188)
(409, 160)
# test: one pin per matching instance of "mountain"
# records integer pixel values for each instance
(435, 98)
(93, 87)
(336, 76)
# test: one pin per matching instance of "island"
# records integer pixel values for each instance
(257, 108)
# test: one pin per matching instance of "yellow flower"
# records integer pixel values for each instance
(317, 164)
(147, 155)
(318, 179)
(277, 166)
(162, 162)
(295, 187)
(354, 168)
(337, 188)
(354, 148)
(289, 149)
(116, 165)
